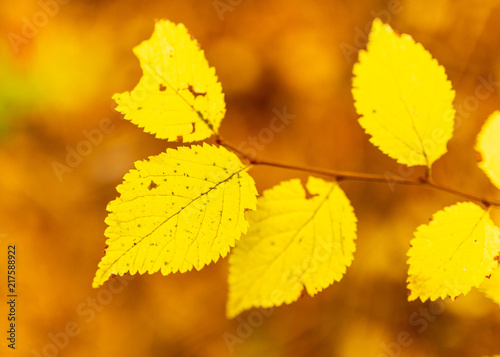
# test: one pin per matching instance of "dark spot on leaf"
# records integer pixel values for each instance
(152, 185)
(195, 93)
(479, 157)
(162, 88)
(139, 108)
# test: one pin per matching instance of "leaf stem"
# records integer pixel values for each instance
(425, 181)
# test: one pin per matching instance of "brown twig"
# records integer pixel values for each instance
(425, 181)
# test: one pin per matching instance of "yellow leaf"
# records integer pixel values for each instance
(488, 146)
(293, 242)
(179, 94)
(181, 209)
(404, 98)
(453, 253)
(491, 286)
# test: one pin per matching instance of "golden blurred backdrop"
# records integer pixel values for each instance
(60, 63)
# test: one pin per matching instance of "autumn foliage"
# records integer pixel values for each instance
(187, 207)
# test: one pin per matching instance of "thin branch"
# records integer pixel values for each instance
(425, 181)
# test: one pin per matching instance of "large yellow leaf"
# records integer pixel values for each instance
(293, 242)
(179, 94)
(488, 146)
(491, 286)
(181, 209)
(404, 98)
(453, 253)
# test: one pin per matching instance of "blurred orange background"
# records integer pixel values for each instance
(55, 91)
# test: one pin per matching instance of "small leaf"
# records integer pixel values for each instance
(292, 242)
(491, 286)
(404, 98)
(488, 145)
(179, 94)
(453, 253)
(177, 211)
